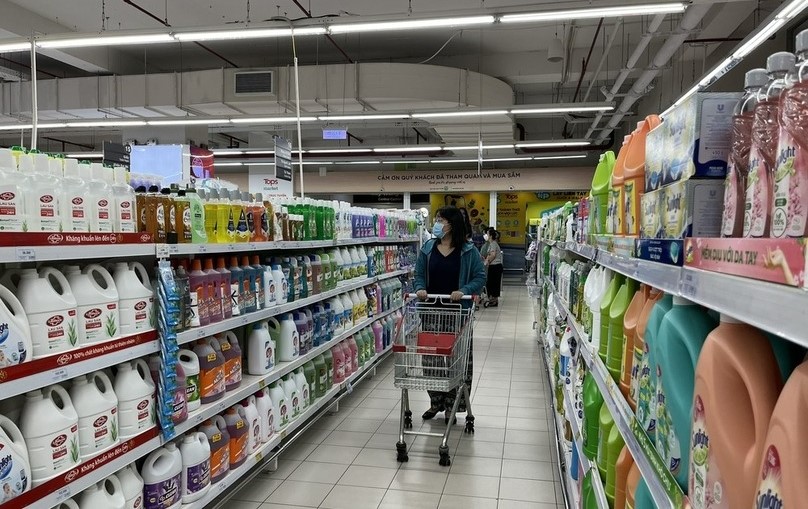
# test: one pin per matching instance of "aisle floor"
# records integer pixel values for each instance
(348, 461)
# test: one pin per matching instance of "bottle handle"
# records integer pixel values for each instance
(143, 368)
(104, 273)
(8, 297)
(142, 274)
(61, 392)
(116, 483)
(47, 272)
(105, 379)
(14, 434)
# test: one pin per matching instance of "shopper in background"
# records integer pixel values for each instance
(449, 265)
(466, 223)
(493, 261)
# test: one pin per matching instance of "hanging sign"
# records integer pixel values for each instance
(283, 159)
(116, 154)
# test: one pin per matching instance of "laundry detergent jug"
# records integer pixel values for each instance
(211, 372)
(50, 306)
(286, 336)
(132, 486)
(215, 429)
(266, 414)
(647, 377)
(238, 430)
(107, 494)
(303, 388)
(231, 350)
(50, 427)
(97, 407)
(280, 404)
(617, 338)
(190, 365)
(292, 396)
(97, 303)
(593, 401)
(260, 349)
(195, 452)
(136, 297)
(136, 398)
(15, 474)
(630, 320)
(15, 332)
(162, 478)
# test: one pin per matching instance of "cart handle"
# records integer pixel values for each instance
(438, 296)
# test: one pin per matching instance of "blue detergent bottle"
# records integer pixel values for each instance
(647, 392)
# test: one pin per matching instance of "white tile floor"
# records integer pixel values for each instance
(348, 460)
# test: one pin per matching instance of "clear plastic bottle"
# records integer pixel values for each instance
(101, 204)
(763, 154)
(125, 208)
(12, 190)
(41, 199)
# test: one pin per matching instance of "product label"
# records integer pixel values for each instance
(306, 396)
(179, 411)
(11, 210)
(99, 431)
(103, 215)
(136, 502)
(192, 388)
(706, 487)
(646, 401)
(162, 495)
(295, 343)
(232, 369)
(270, 355)
(98, 323)
(186, 223)
(219, 457)
(13, 473)
(283, 410)
(270, 292)
(635, 374)
(137, 314)
(675, 218)
(12, 347)
(270, 421)
(235, 298)
(126, 216)
(667, 442)
(790, 207)
(732, 186)
(55, 452)
(197, 478)
(78, 220)
(136, 415)
(756, 206)
(770, 490)
(58, 332)
(211, 382)
(47, 207)
(196, 299)
(296, 404)
(651, 220)
(238, 445)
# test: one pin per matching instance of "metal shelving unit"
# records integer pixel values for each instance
(166, 250)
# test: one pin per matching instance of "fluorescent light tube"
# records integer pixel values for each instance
(468, 113)
(415, 24)
(226, 151)
(503, 159)
(572, 156)
(270, 120)
(227, 164)
(758, 39)
(259, 152)
(105, 40)
(190, 121)
(110, 123)
(560, 109)
(246, 33)
(406, 161)
(454, 161)
(15, 46)
(547, 144)
(85, 155)
(411, 148)
(494, 147)
(369, 116)
(595, 12)
(462, 147)
(15, 127)
(340, 151)
(359, 162)
(793, 9)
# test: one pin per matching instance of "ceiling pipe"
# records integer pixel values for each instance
(602, 62)
(327, 36)
(639, 50)
(690, 20)
(584, 67)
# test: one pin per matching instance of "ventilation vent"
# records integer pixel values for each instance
(253, 82)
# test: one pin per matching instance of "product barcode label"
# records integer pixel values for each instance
(690, 284)
(59, 375)
(26, 254)
(162, 251)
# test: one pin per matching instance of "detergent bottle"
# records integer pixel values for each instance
(281, 284)
(97, 408)
(13, 454)
(195, 451)
(136, 296)
(238, 430)
(253, 420)
(292, 396)
(15, 332)
(328, 357)
(588, 497)
(228, 344)
(260, 350)
(211, 372)
(616, 193)
(180, 403)
(279, 404)
(632, 482)
(215, 429)
(213, 292)
(287, 340)
(12, 195)
(303, 388)
(49, 425)
(135, 391)
(97, 303)
(41, 198)
(642, 496)
(617, 312)
(75, 199)
(737, 385)
(593, 401)
(625, 461)
(270, 288)
(630, 321)
(238, 297)
(131, 486)
(614, 446)
(605, 425)
(190, 365)
(598, 293)
(652, 295)
(162, 478)
(600, 192)
(266, 414)
(224, 289)
(605, 308)
(50, 306)
(338, 323)
(107, 494)
(634, 175)
(677, 344)
(198, 309)
(647, 377)
(780, 479)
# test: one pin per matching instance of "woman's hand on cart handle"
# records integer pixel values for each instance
(457, 295)
(421, 294)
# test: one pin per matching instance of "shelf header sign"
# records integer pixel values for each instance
(283, 159)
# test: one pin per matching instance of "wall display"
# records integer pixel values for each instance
(474, 205)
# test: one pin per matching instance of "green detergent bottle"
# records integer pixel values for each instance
(647, 393)
(606, 424)
(600, 192)
(605, 309)
(616, 345)
(593, 400)
(614, 445)
(678, 344)
(588, 498)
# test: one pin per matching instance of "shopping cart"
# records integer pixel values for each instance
(432, 353)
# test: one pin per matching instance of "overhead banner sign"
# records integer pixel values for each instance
(269, 186)
(283, 159)
(116, 154)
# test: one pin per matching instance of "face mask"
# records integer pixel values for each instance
(485, 237)
(437, 230)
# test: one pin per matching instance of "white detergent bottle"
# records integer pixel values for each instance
(15, 476)
(136, 297)
(302, 388)
(280, 405)
(281, 284)
(195, 451)
(49, 424)
(338, 320)
(75, 199)
(348, 310)
(190, 365)
(136, 398)
(162, 478)
(287, 338)
(97, 303)
(13, 186)
(97, 407)
(125, 202)
(15, 332)
(266, 412)
(41, 198)
(261, 349)
(50, 306)
(102, 217)
(132, 485)
(270, 288)
(292, 396)
(68, 504)
(107, 494)
(253, 420)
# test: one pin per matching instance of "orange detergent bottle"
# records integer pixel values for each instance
(630, 322)
(781, 474)
(641, 359)
(616, 216)
(737, 384)
(634, 175)
(632, 481)
(625, 462)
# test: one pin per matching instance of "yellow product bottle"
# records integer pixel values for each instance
(223, 219)
(211, 207)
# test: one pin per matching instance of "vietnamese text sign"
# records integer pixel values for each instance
(283, 159)
(269, 186)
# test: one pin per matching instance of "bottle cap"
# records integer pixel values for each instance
(259, 197)
(802, 41)
(755, 78)
(213, 194)
(780, 61)
(245, 196)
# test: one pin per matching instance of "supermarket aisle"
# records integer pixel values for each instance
(348, 460)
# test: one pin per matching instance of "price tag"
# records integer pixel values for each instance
(259, 456)
(200, 333)
(690, 284)
(220, 407)
(349, 387)
(262, 383)
(26, 254)
(162, 250)
(173, 249)
(59, 375)
(283, 434)
(244, 320)
(221, 487)
(198, 420)
(203, 248)
(63, 494)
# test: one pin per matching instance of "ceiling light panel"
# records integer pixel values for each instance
(190, 121)
(105, 40)
(470, 113)
(595, 12)
(271, 120)
(416, 24)
(369, 116)
(415, 148)
(246, 33)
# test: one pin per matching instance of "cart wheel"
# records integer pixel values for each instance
(444, 457)
(470, 425)
(401, 452)
(485, 305)
(446, 420)
(407, 422)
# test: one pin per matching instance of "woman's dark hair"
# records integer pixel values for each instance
(454, 217)
(466, 222)
(490, 231)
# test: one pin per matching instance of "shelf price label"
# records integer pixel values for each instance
(26, 254)
(666, 479)
(690, 284)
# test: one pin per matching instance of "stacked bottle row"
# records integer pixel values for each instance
(48, 311)
(720, 399)
(214, 289)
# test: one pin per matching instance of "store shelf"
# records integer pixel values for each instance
(19, 254)
(46, 371)
(238, 321)
(266, 450)
(252, 384)
(166, 250)
(768, 306)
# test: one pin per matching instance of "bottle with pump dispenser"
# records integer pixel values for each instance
(41, 198)
(13, 188)
(75, 199)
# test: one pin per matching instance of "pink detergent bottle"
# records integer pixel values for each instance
(738, 165)
(378, 335)
(763, 154)
(339, 363)
(790, 207)
(350, 343)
